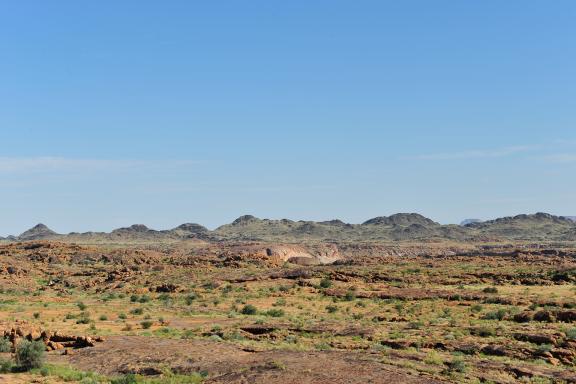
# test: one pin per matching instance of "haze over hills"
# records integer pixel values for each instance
(470, 221)
(398, 227)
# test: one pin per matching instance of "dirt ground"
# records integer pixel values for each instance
(230, 364)
(413, 314)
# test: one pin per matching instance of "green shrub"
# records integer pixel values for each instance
(164, 297)
(490, 290)
(416, 324)
(275, 313)
(5, 345)
(6, 366)
(144, 299)
(84, 318)
(476, 308)
(30, 354)
(190, 298)
(350, 296)
(249, 309)
(544, 348)
(280, 302)
(146, 324)
(325, 283)
(81, 306)
(126, 379)
(499, 314)
(331, 308)
(483, 332)
(571, 333)
(433, 358)
(137, 311)
(457, 365)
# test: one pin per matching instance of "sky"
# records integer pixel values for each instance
(165, 112)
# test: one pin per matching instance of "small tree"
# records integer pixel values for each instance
(30, 354)
(249, 310)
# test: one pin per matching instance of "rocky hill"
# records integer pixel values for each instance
(398, 227)
(401, 226)
(539, 226)
(38, 232)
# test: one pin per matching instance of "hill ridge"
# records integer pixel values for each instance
(396, 227)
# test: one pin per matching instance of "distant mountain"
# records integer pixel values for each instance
(573, 218)
(402, 219)
(470, 221)
(398, 227)
(401, 226)
(133, 229)
(539, 226)
(189, 230)
(38, 232)
(140, 232)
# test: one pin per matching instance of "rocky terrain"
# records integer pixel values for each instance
(236, 311)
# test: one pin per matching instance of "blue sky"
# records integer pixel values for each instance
(114, 113)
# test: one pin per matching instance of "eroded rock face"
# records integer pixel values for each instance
(53, 340)
(282, 253)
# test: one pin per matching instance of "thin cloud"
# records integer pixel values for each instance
(476, 154)
(561, 158)
(48, 164)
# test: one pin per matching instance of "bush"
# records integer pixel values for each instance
(457, 365)
(146, 324)
(84, 318)
(81, 306)
(433, 358)
(490, 290)
(476, 308)
(275, 313)
(249, 309)
(126, 379)
(350, 296)
(325, 283)
(500, 314)
(416, 324)
(137, 311)
(144, 299)
(30, 354)
(483, 332)
(571, 333)
(190, 298)
(5, 345)
(6, 366)
(544, 348)
(331, 308)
